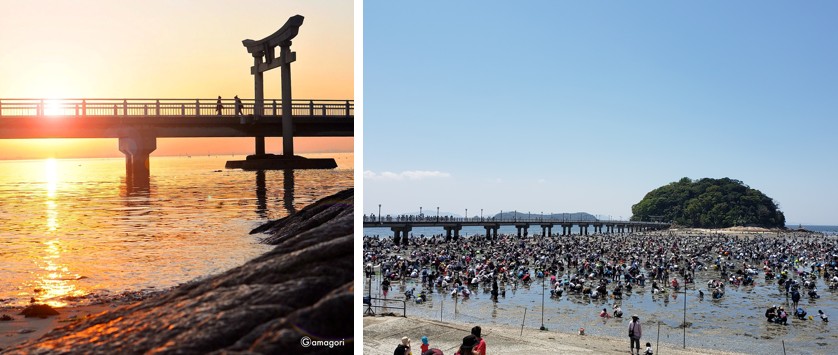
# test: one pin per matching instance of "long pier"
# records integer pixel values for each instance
(137, 123)
(402, 225)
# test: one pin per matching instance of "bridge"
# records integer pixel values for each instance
(137, 123)
(401, 225)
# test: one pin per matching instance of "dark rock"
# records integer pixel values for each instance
(6, 317)
(39, 310)
(303, 287)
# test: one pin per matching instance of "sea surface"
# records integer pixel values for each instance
(73, 230)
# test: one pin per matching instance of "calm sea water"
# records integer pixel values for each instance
(73, 228)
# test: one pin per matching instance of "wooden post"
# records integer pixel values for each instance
(311, 108)
(197, 108)
(522, 321)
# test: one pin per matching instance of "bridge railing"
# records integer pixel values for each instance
(451, 219)
(170, 107)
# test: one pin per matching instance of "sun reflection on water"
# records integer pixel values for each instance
(56, 282)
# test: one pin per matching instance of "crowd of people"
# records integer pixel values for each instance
(605, 266)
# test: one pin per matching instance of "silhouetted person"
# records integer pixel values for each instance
(218, 106)
(238, 105)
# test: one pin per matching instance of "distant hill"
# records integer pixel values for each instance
(709, 203)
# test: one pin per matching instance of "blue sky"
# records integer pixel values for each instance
(552, 106)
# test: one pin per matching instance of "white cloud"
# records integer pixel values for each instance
(404, 175)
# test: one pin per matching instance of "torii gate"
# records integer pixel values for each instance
(264, 59)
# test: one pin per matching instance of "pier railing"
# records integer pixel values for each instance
(170, 107)
(451, 219)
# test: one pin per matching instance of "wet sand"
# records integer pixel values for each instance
(382, 334)
(23, 329)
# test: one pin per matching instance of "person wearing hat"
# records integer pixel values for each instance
(635, 331)
(468, 345)
(403, 348)
(425, 344)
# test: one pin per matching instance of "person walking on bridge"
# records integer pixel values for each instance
(218, 106)
(238, 105)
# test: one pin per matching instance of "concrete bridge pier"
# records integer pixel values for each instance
(546, 230)
(400, 235)
(523, 227)
(449, 229)
(491, 232)
(583, 229)
(137, 149)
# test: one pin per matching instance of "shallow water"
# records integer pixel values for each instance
(733, 323)
(73, 229)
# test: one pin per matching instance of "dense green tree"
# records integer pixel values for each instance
(709, 203)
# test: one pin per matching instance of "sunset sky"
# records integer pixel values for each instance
(167, 49)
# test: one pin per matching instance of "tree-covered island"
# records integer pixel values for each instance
(709, 203)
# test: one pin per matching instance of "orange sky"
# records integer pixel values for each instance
(167, 49)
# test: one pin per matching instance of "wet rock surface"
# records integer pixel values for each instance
(301, 288)
(39, 310)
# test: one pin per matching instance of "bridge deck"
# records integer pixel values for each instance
(111, 118)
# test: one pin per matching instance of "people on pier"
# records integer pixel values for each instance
(239, 105)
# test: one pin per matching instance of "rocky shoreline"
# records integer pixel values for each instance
(303, 288)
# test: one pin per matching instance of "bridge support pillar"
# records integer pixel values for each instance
(137, 150)
(449, 229)
(260, 146)
(546, 230)
(524, 228)
(583, 229)
(400, 235)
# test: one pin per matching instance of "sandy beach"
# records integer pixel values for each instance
(21, 329)
(382, 334)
